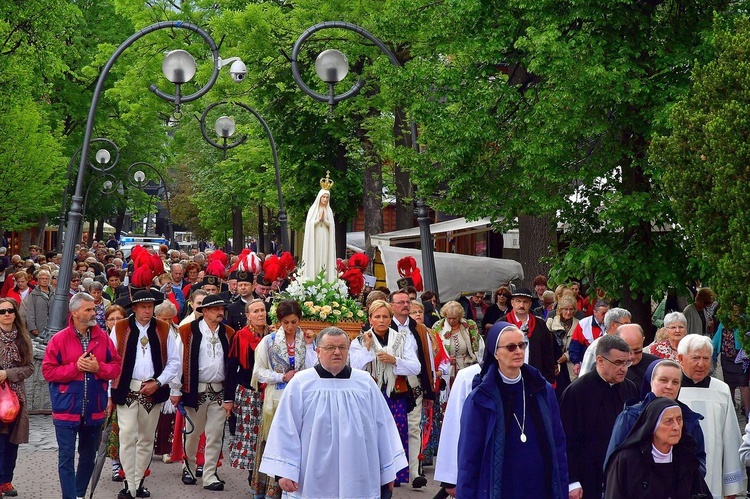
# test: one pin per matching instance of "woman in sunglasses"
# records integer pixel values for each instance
(16, 364)
(511, 443)
(499, 308)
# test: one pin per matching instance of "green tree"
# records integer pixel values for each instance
(705, 157)
(547, 109)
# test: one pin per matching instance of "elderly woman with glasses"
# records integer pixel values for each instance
(499, 308)
(460, 337)
(511, 443)
(675, 325)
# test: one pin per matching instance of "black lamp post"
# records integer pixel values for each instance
(332, 67)
(63, 205)
(137, 178)
(225, 128)
(178, 68)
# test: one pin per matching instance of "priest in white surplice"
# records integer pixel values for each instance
(711, 398)
(333, 434)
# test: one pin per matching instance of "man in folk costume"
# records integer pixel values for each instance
(586, 331)
(245, 269)
(207, 387)
(333, 418)
(540, 353)
(146, 266)
(150, 359)
(422, 385)
(711, 398)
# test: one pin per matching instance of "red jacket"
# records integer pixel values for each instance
(67, 383)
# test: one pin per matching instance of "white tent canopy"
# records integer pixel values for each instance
(456, 274)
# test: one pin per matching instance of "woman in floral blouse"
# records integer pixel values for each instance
(675, 324)
(460, 337)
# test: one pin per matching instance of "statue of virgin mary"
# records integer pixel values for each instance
(319, 245)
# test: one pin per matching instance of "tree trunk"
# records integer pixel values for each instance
(404, 189)
(536, 238)
(100, 230)
(25, 241)
(340, 165)
(261, 231)
(270, 229)
(119, 221)
(373, 192)
(238, 238)
(40, 232)
(635, 180)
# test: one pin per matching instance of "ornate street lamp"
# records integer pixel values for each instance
(332, 67)
(225, 127)
(179, 70)
(139, 180)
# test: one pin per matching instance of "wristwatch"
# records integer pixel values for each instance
(158, 383)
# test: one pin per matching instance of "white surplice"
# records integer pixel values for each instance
(446, 465)
(334, 437)
(725, 473)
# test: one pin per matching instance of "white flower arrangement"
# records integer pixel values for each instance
(321, 300)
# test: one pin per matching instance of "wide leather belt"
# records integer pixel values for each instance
(214, 387)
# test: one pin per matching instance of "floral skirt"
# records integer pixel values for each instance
(247, 408)
(432, 421)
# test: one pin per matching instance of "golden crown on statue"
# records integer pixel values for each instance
(326, 183)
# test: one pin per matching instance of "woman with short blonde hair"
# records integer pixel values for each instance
(460, 337)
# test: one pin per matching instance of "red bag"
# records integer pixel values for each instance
(9, 404)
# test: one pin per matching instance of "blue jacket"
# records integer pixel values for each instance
(626, 421)
(481, 449)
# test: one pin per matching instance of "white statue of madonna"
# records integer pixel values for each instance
(319, 245)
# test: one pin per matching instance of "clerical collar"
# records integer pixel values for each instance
(345, 373)
(689, 383)
(602, 377)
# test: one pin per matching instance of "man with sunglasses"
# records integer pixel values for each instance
(589, 408)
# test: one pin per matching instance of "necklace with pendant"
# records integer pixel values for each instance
(213, 340)
(144, 343)
(522, 426)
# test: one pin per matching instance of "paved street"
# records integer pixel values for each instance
(36, 474)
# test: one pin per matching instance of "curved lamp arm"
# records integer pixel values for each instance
(332, 99)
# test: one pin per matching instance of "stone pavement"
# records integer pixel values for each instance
(36, 474)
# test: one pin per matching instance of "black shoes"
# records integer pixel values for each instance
(419, 482)
(199, 471)
(124, 494)
(142, 492)
(187, 477)
(216, 486)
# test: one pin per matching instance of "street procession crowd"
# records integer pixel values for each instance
(535, 393)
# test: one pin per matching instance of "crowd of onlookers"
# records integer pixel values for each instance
(533, 393)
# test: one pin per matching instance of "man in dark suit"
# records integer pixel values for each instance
(236, 317)
(589, 408)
